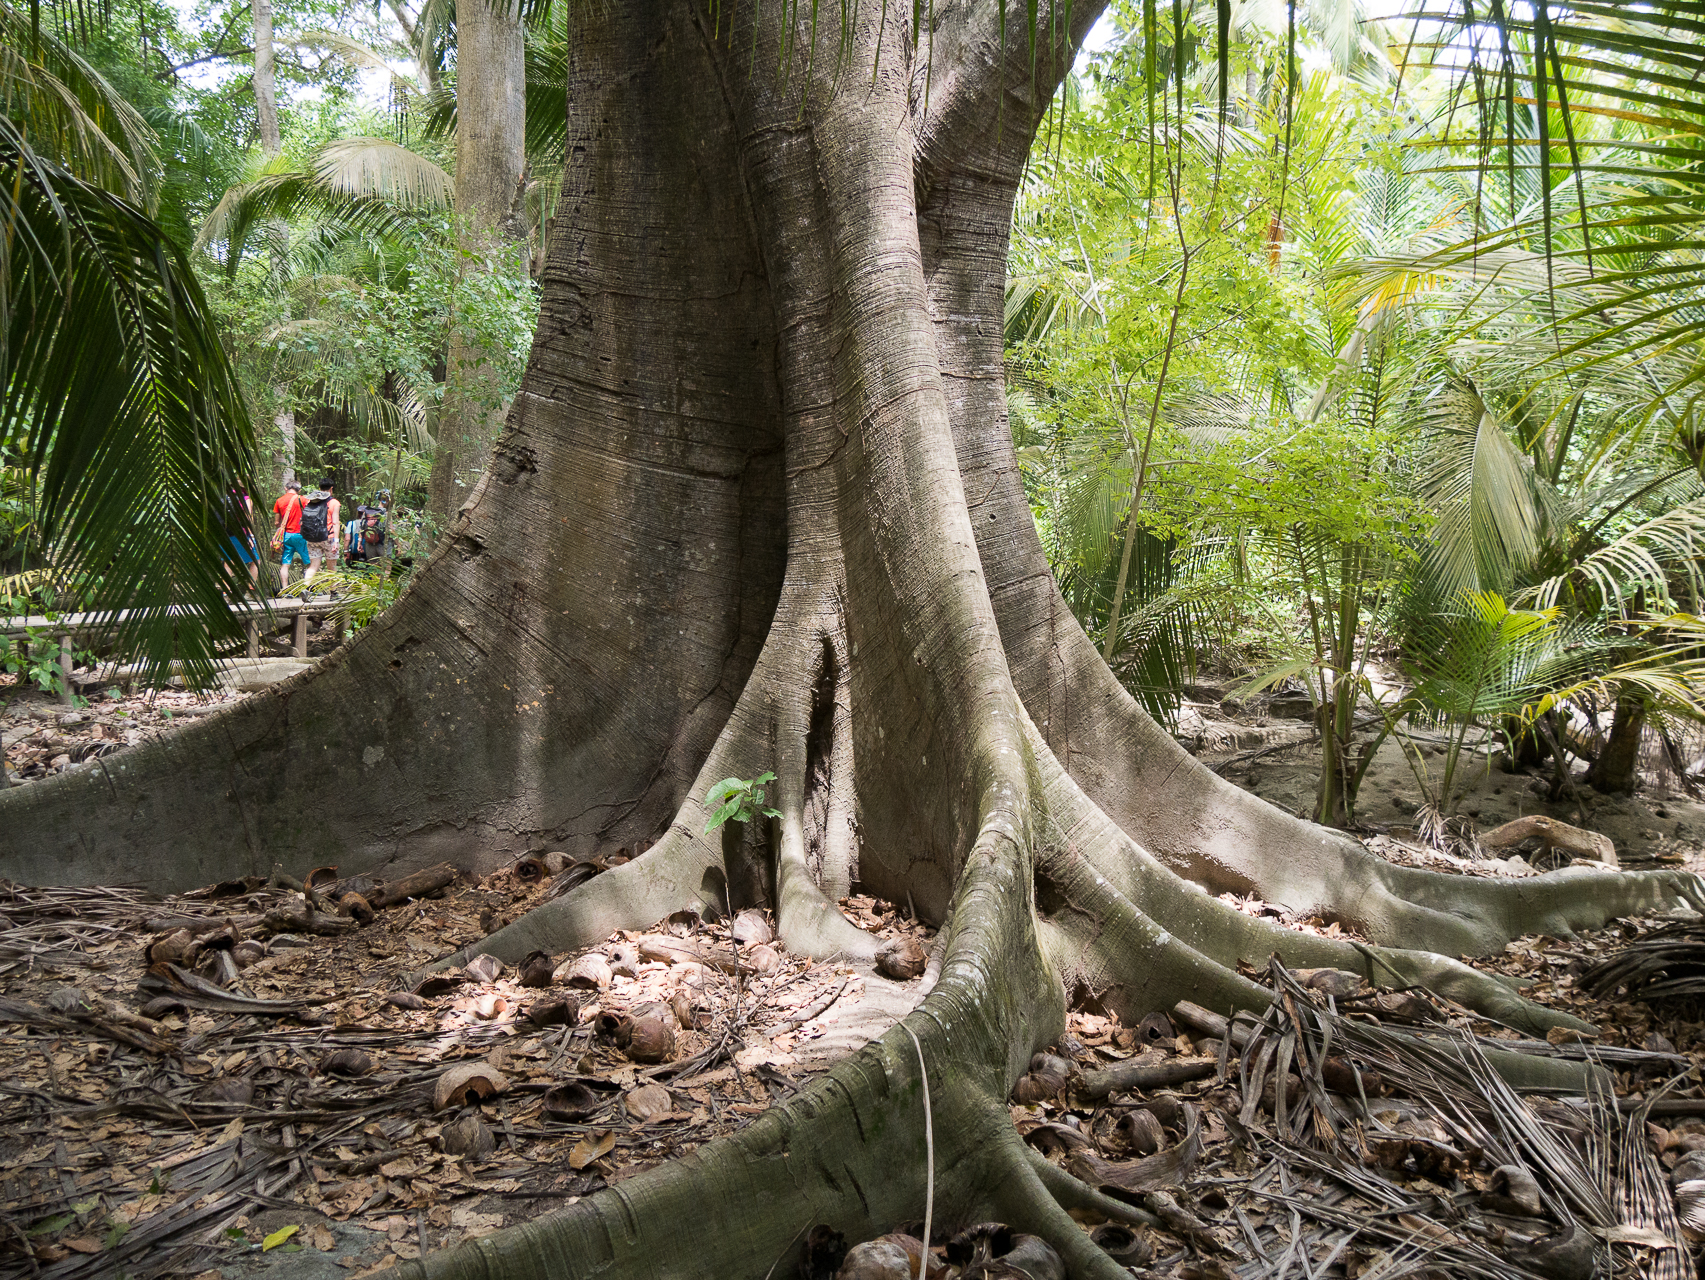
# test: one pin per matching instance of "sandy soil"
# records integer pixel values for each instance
(1277, 757)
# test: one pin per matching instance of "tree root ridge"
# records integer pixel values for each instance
(1073, 1193)
(1119, 894)
(1025, 1201)
(859, 1130)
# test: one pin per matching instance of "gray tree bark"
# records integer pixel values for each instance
(272, 145)
(757, 507)
(1618, 761)
(266, 93)
(491, 230)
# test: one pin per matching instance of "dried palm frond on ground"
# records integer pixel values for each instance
(1592, 1175)
(60, 926)
(1373, 1133)
(1666, 963)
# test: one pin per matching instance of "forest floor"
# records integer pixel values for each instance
(152, 1125)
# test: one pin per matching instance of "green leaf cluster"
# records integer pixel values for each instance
(738, 800)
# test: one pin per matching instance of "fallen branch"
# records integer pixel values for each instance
(23, 1011)
(657, 947)
(818, 1006)
(1158, 1172)
(198, 993)
(301, 918)
(200, 924)
(416, 885)
(1552, 834)
(1209, 1023)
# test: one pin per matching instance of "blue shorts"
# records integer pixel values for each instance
(294, 545)
(245, 550)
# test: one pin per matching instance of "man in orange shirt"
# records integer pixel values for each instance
(287, 537)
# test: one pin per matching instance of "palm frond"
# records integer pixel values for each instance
(1485, 492)
(1150, 651)
(1641, 558)
(1476, 658)
(377, 168)
(115, 380)
(1207, 420)
(370, 185)
(1599, 169)
(70, 114)
(1038, 307)
(342, 45)
(314, 348)
(1665, 964)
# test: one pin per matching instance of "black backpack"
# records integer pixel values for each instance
(235, 515)
(314, 518)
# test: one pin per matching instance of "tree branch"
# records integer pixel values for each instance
(236, 12)
(953, 74)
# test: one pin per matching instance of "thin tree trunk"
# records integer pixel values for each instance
(272, 145)
(412, 34)
(266, 94)
(491, 230)
(1617, 764)
(284, 457)
(1140, 477)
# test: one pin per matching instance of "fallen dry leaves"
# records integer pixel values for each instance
(313, 1092)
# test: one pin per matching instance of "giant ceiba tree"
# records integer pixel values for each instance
(757, 507)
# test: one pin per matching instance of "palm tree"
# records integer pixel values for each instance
(1561, 415)
(369, 222)
(120, 403)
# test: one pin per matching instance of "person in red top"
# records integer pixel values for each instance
(287, 537)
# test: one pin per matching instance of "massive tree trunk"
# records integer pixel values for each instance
(757, 508)
(491, 105)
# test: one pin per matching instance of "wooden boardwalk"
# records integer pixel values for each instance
(64, 627)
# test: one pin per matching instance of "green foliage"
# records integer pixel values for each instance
(1476, 661)
(1205, 423)
(58, 106)
(36, 658)
(348, 327)
(366, 186)
(364, 591)
(739, 800)
(120, 404)
(1312, 348)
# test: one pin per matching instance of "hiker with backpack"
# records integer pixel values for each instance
(237, 518)
(287, 538)
(374, 532)
(352, 539)
(320, 529)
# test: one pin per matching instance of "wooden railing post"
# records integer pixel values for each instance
(91, 627)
